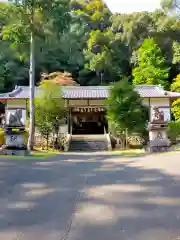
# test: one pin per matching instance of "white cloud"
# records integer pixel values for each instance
(127, 6)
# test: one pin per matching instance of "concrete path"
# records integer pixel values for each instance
(91, 196)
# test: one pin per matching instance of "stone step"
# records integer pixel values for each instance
(88, 137)
(88, 143)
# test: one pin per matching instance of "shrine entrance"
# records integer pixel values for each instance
(88, 121)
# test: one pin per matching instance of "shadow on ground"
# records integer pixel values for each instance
(89, 197)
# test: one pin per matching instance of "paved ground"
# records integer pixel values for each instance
(85, 197)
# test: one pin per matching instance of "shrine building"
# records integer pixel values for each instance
(86, 104)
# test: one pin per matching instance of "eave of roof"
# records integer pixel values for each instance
(92, 92)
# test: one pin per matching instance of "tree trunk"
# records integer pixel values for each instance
(47, 141)
(31, 94)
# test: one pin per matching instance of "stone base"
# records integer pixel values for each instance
(158, 149)
(159, 145)
(16, 152)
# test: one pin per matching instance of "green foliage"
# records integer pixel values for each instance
(176, 109)
(176, 52)
(86, 39)
(151, 67)
(174, 131)
(170, 5)
(135, 141)
(125, 109)
(102, 55)
(175, 86)
(47, 28)
(49, 108)
(95, 13)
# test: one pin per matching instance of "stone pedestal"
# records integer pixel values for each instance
(158, 139)
(15, 142)
(16, 152)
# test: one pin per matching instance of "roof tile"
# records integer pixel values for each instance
(92, 92)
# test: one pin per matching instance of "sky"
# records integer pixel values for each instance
(128, 6)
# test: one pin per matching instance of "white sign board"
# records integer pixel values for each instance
(165, 111)
(167, 114)
(14, 140)
(63, 129)
(16, 117)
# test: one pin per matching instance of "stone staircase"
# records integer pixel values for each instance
(88, 143)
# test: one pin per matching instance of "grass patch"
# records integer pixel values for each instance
(34, 155)
(129, 152)
(49, 151)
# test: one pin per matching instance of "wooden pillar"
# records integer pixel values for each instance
(170, 109)
(149, 110)
(5, 112)
(70, 121)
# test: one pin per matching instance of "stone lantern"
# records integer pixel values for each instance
(15, 133)
(157, 127)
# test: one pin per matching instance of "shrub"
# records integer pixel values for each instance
(137, 141)
(174, 131)
(125, 109)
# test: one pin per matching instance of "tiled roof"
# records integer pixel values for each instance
(85, 92)
(92, 92)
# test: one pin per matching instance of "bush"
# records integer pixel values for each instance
(125, 110)
(2, 136)
(49, 110)
(174, 131)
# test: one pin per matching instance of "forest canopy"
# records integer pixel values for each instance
(86, 40)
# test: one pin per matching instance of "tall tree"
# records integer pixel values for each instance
(175, 86)
(152, 68)
(9, 60)
(30, 15)
(107, 56)
(171, 5)
(176, 57)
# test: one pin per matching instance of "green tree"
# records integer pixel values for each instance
(136, 27)
(152, 68)
(49, 108)
(174, 131)
(125, 109)
(94, 13)
(171, 5)
(176, 55)
(175, 86)
(176, 109)
(106, 55)
(12, 69)
(29, 17)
